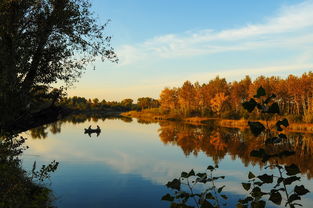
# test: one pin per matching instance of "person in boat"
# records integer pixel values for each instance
(98, 128)
(89, 128)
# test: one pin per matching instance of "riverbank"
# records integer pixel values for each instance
(229, 123)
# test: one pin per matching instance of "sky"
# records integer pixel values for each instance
(162, 43)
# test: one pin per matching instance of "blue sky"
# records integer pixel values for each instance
(162, 43)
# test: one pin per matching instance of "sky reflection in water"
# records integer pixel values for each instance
(126, 166)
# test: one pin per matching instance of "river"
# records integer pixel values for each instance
(130, 161)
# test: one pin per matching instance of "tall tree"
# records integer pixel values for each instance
(43, 42)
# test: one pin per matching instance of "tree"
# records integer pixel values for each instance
(43, 42)
(217, 102)
(169, 99)
(127, 102)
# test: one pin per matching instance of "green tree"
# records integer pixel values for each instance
(43, 42)
(127, 102)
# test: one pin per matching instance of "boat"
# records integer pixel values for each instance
(90, 130)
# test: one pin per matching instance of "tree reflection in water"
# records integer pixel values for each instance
(273, 151)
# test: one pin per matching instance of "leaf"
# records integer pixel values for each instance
(258, 204)
(292, 169)
(206, 204)
(260, 92)
(184, 175)
(280, 123)
(294, 197)
(256, 192)
(266, 178)
(251, 175)
(286, 153)
(167, 197)
(191, 173)
(210, 167)
(256, 128)
(276, 198)
(219, 190)
(274, 108)
(201, 175)
(174, 184)
(258, 153)
(269, 98)
(209, 196)
(249, 105)
(279, 180)
(273, 140)
(291, 179)
(301, 190)
(246, 186)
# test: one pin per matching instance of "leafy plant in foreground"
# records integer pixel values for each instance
(18, 188)
(287, 174)
(196, 190)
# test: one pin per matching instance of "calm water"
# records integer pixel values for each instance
(128, 164)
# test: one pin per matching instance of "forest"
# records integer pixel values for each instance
(222, 99)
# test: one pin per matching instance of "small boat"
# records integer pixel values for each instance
(89, 130)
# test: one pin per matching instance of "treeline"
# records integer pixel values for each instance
(219, 98)
(83, 104)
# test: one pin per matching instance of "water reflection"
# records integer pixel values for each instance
(129, 148)
(217, 142)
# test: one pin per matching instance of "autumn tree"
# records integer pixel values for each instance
(186, 97)
(217, 102)
(169, 99)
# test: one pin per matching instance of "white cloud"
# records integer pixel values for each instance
(292, 26)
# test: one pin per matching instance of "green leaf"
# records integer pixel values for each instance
(276, 198)
(167, 197)
(246, 186)
(174, 184)
(292, 169)
(251, 175)
(301, 190)
(260, 92)
(256, 127)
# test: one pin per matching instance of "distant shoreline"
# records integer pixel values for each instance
(228, 123)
